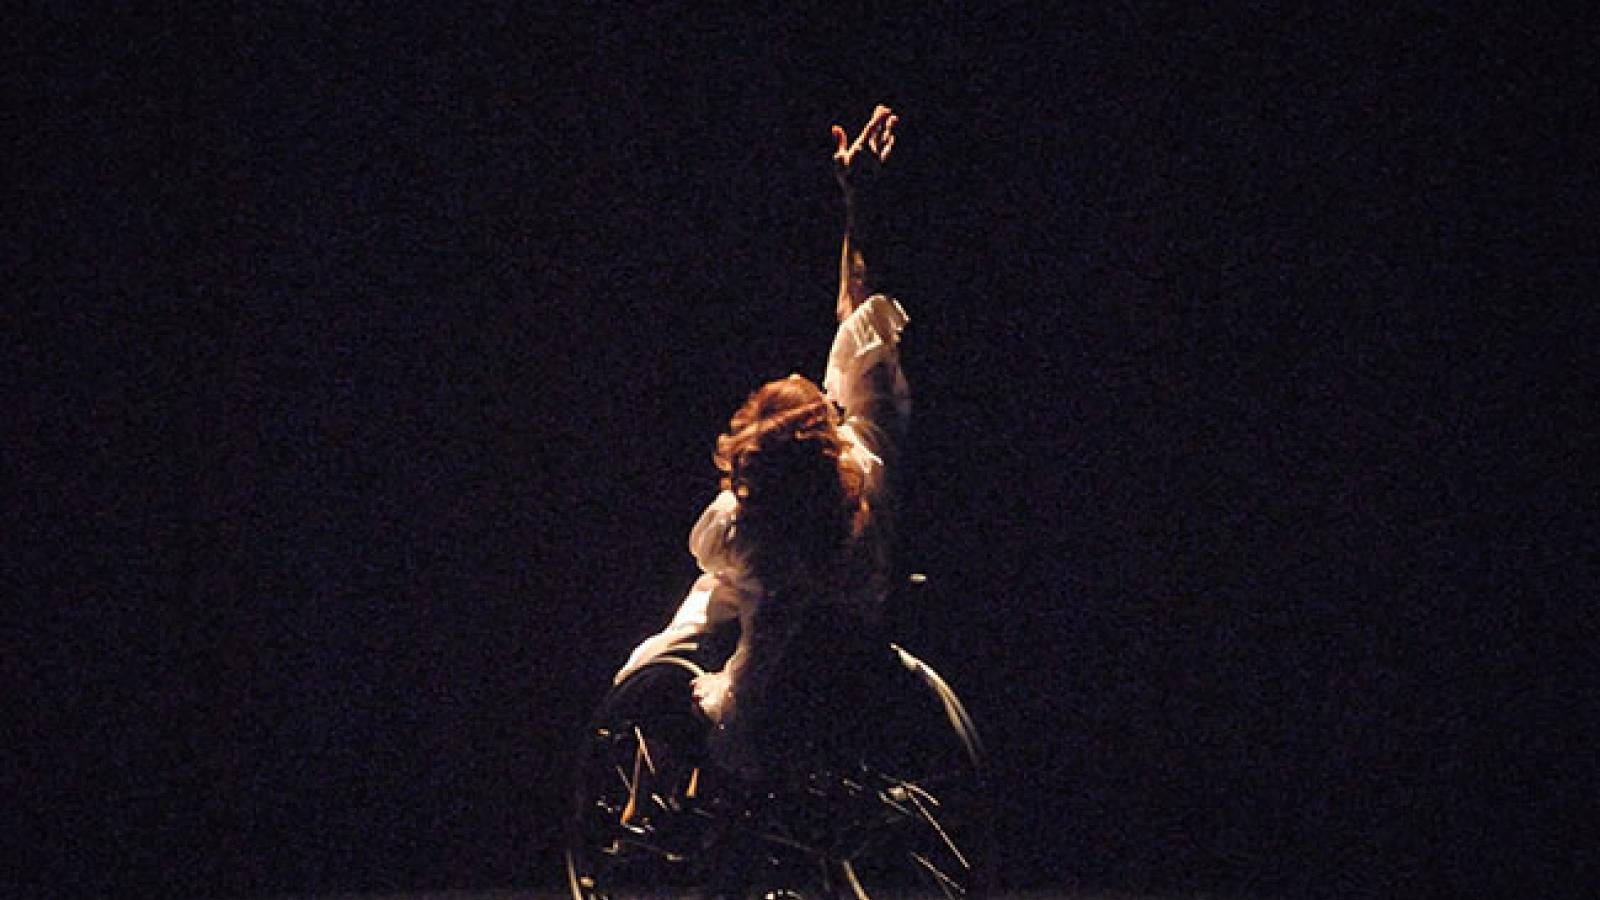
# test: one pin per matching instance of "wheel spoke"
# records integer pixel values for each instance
(951, 887)
(939, 830)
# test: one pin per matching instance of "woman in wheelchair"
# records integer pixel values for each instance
(801, 526)
(817, 758)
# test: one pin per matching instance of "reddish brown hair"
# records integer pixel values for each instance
(801, 505)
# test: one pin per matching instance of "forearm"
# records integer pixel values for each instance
(708, 605)
(854, 287)
(856, 166)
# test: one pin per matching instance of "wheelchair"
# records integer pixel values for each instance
(871, 784)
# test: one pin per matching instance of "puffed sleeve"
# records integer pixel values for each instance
(711, 539)
(864, 377)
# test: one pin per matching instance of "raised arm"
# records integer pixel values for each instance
(864, 376)
(856, 163)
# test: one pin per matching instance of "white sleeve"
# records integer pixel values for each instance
(709, 604)
(865, 378)
(691, 620)
(711, 539)
(864, 361)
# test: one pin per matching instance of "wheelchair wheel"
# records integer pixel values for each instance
(636, 829)
(920, 827)
(879, 798)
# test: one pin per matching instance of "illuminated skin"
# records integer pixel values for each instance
(869, 150)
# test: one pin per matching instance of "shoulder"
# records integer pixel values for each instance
(712, 538)
(715, 523)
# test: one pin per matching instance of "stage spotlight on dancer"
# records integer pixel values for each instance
(801, 526)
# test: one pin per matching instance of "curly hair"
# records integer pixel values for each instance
(801, 501)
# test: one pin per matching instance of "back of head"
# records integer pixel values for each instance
(800, 496)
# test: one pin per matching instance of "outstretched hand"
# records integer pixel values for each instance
(870, 149)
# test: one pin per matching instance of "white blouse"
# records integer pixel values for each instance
(865, 380)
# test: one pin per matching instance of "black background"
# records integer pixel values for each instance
(362, 368)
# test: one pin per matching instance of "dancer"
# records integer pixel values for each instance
(802, 523)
